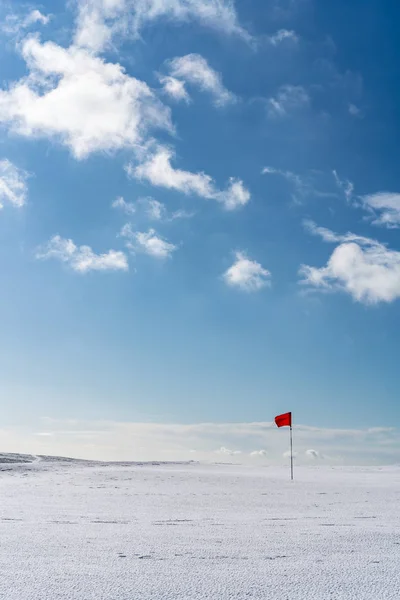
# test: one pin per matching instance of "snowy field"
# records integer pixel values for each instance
(74, 530)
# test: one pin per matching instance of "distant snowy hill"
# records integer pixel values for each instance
(6, 458)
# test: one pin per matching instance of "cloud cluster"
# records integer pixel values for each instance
(157, 169)
(246, 274)
(73, 96)
(236, 442)
(13, 184)
(82, 259)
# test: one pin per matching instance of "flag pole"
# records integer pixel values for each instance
(291, 453)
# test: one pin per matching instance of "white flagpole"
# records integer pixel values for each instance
(291, 453)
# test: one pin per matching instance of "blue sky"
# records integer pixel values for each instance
(199, 225)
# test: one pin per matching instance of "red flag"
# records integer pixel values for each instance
(284, 420)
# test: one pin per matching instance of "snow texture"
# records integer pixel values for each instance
(74, 530)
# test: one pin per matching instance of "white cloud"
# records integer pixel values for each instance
(80, 100)
(346, 186)
(234, 196)
(194, 69)
(354, 111)
(258, 453)
(326, 234)
(127, 207)
(224, 450)
(359, 266)
(35, 16)
(385, 206)
(155, 210)
(175, 88)
(99, 21)
(289, 98)
(147, 242)
(181, 214)
(154, 245)
(82, 258)
(246, 274)
(282, 35)
(304, 185)
(13, 186)
(296, 180)
(157, 169)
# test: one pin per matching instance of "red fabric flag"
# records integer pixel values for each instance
(284, 420)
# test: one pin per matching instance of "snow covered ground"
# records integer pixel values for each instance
(75, 530)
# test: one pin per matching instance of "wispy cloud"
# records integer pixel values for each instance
(174, 88)
(158, 170)
(18, 23)
(326, 234)
(289, 99)
(152, 209)
(354, 111)
(228, 452)
(346, 186)
(155, 210)
(310, 184)
(99, 22)
(385, 208)
(126, 207)
(246, 274)
(364, 268)
(302, 186)
(293, 178)
(82, 259)
(181, 214)
(194, 69)
(13, 184)
(283, 35)
(35, 16)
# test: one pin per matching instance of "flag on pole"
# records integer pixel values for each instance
(284, 420)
